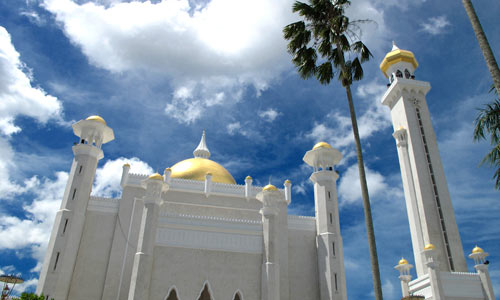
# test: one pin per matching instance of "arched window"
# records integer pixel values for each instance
(205, 294)
(237, 296)
(399, 74)
(172, 295)
(407, 74)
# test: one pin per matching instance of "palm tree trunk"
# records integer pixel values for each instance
(483, 43)
(377, 286)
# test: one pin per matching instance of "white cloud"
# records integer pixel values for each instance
(17, 95)
(337, 129)
(232, 128)
(436, 25)
(269, 115)
(107, 179)
(33, 17)
(349, 188)
(212, 52)
(36, 227)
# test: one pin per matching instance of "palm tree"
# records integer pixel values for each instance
(483, 43)
(327, 35)
(488, 120)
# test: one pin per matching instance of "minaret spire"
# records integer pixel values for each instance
(202, 150)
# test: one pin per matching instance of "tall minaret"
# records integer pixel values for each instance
(328, 240)
(430, 213)
(60, 258)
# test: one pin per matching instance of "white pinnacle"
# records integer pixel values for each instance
(202, 150)
(394, 47)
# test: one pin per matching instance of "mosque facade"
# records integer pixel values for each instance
(194, 233)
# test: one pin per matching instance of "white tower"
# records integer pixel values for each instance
(143, 261)
(328, 240)
(60, 258)
(430, 213)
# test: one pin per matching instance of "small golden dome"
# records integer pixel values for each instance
(269, 187)
(126, 165)
(156, 176)
(96, 118)
(395, 56)
(248, 178)
(429, 247)
(198, 167)
(208, 174)
(168, 170)
(321, 145)
(402, 261)
(288, 181)
(477, 250)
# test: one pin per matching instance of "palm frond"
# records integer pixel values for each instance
(324, 73)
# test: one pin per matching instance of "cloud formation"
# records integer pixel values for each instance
(17, 95)
(436, 25)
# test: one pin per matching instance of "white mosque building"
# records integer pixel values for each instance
(193, 233)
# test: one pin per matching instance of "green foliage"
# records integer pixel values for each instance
(326, 44)
(31, 296)
(488, 124)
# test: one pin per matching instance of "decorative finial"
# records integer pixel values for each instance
(202, 150)
(394, 47)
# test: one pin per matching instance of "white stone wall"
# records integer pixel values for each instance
(90, 269)
(303, 266)
(188, 270)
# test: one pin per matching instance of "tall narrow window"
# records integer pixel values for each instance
(74, 194)
(80, 170)
(237, 296)
(57, 260)
(172, 295)
(65, 226)
(205, 294)
(329, 196)
(336, 286)
(333, 249)
(331, 218)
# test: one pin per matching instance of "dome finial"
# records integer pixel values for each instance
(202, 150)
(394, 47)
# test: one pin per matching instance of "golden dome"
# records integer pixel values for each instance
(269, 187)
(402, 261)
(196, 169)
(168, 170)
(429, 247)
(126, 165)
(395, 56)
(321, 145)
(96, 118)
(156, 176)
(288, 181)
(248, 178)
(477, 250)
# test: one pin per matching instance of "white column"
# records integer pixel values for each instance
(143, 260)
(62, 251)
(274, 275)
(329, 241)
(412, 208)
(481, 266)
(430, 212)
(434, 272)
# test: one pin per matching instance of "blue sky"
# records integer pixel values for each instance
(160, 72)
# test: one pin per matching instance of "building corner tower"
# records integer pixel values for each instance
(330, 251)
(428, 203)
(56, 275)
